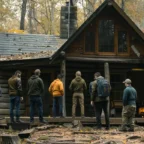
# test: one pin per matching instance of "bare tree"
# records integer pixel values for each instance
(123, 4)
(23, 12)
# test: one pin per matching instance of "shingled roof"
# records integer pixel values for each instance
(28, 46)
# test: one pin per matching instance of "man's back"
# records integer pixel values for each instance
(14, 85)
(78, 84)
(35, 85)
(129, 96)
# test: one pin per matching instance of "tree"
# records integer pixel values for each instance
(123, 4)
(23, 12)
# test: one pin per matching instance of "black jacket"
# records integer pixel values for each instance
(35, 86)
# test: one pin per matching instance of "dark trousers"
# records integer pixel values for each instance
(99, 106)
(36, 101)
(14, 103)
(57, 103)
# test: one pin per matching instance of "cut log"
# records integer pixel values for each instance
(3, 81)
(26, 133)
(4, 85)
(7, 106)
(10, 139)
(46, 127)
(6, 112)
(3, 99)
(4, 90)
(5, 95)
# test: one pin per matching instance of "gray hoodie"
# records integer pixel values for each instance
(35, 86)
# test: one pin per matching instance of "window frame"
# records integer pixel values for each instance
(90, 29)
(117, 28)
(106, 53)
(128, 43)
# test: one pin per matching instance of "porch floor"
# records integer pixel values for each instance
(86, 120)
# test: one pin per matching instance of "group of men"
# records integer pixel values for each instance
(99, 91)
(35, 89)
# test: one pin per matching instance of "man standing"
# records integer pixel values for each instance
(77, 86)
(100, 103)
(15, 93)
(57, 90)
(129, 107)
(90, 93)
(35, 89)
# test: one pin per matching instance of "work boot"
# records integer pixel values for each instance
(44, 122)
(19, 121)
(123, 129)
(12, 121)
(131, 129)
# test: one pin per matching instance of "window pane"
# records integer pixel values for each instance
(106, 36)
(122, 41)
(90, 42)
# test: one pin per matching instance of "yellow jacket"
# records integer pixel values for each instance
(56, 88)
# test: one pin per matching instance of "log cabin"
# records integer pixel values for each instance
(108, 42)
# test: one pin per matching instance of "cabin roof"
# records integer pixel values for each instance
(92, 17)
(28, 46)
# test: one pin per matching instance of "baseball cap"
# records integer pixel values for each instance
(128, 81)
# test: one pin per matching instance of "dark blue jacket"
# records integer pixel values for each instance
(129, 96)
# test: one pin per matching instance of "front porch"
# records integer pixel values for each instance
(86, 121)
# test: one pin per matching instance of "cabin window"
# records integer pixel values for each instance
(90, 42)
(122, 41)
(106, 36)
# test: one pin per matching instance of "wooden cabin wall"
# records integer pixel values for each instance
(77, 47)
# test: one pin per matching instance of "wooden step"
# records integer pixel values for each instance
(7, 111)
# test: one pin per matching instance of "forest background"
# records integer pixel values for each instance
(43, 16)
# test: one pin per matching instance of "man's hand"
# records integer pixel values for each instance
(21, 99)
(92, 103)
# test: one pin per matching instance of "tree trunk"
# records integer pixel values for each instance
(30, 18)
(63, 73)
(23, 12)
(123, 4)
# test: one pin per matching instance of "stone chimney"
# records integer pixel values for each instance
(68, 20)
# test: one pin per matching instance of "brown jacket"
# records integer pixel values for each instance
(15, 86)
(56, 88)
(78, 84)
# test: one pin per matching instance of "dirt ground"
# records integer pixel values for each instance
(67, 134)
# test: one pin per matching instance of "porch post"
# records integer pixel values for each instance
(63, 72)
(106, 71)
(107, 77)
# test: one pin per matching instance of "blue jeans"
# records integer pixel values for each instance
(14, 103)
(57, 102)
(36, 100)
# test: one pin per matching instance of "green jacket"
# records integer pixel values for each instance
(15, 86)
(35, 86)
(78, 84)
(94, 96)
(129, 96)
